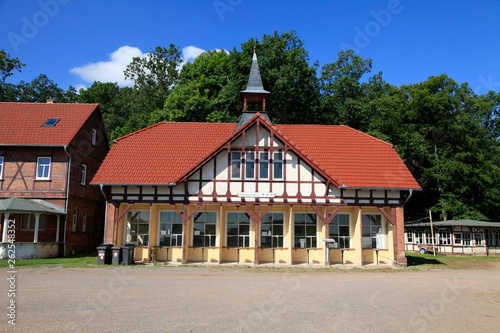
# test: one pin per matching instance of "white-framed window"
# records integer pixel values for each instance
(409, 237)
(339, 230)
(137, 230)
(236, 165)
(419, 238)
(278, 165)
(1, 167)
(372, 231)
(306, 230)
(264, 165)
(238, 229)
(490, 238)
(272, 230)
(28, 222)
(250, 165)
(445, 237)
(205, 229)
(170, 229)
(467, 238)
(458, 238)
(75, 220)
(478, 237)
(428, 237)
(94, 136)
(84, 222)
(43, 168)
(83, 179)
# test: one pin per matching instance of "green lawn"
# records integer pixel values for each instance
(77, 261)
(429, 261)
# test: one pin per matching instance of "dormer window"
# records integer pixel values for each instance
(51, 122)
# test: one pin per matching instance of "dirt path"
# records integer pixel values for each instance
(201, 299)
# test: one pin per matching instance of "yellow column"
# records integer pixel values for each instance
(222, 231)
(290, 235)
(357, 236)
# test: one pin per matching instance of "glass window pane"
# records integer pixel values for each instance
(232, 230)
(311, 230)
(210, 229)
(199, 229)
(232, 241)
(211, 217)
(198, 241)
(177, 228)
(143, 228)
(299, 218)
(245, 229)
(232, 217)
(278, 230)
(313, 242)
(300, 231)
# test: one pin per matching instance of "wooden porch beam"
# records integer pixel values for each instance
(185, 217)
(118, 217)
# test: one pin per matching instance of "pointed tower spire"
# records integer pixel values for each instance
(254, 93)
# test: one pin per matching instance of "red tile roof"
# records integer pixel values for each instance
(160, 154)
(165, 152)
(21, 123)
(351, 157)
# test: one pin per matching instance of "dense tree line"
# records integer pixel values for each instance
(447, 135)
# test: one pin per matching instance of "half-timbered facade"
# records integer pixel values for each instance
(454, 237)
(48, 155)
(256, 192)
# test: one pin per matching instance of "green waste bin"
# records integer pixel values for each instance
(116, 255)
(128, 254)
(104, 254)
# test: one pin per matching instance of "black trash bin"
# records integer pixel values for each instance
(116, 255)
(128, 254)
(104, 254)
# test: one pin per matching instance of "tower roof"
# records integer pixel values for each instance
(254, 84)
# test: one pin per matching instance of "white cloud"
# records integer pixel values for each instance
(80, 86)
(112, 70)
(189, 53)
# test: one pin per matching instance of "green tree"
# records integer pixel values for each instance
(200, 94)
(450, 151)
(343, 94)
(155, 74)
(7, 66)
(286, 73)
(42, 89)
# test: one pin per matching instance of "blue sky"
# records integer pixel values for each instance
(75, 42)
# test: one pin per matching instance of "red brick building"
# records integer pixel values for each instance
(48, 155)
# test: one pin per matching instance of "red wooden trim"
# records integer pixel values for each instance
(391, 219)
(118, 217)
(185, 218)
(325, 217)
(256, 218)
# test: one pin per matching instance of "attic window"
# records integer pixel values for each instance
(51, 122)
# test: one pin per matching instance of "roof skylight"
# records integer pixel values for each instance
(51, 122)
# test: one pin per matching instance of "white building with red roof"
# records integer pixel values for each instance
(48, 155)
(255, 192)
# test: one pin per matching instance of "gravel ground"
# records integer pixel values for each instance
(222, 299)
